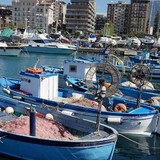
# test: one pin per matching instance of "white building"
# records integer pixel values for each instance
(39, 14)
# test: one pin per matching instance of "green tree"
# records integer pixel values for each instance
(108, 29)
(21, 25)
(76, 33)
(66, 33)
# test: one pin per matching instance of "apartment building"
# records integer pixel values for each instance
(80, 15)
(129, 18)
(139, 16)
(34, 14)
(118, 14)
(153, 9)
(100, 22)
(62, 11)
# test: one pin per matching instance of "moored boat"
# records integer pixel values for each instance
(42, 137)
(43, 89)
(12, 50)
(38, 43)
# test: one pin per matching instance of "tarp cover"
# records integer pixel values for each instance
(7, 33)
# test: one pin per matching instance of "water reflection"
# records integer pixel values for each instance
(137, 148)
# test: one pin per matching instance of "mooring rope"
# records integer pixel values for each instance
(137, 142)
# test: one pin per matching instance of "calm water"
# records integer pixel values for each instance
(138, 148)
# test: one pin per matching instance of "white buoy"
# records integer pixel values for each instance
(6, 90)
(17, 97)
(49, 116)
(9, 110)
(69, 113)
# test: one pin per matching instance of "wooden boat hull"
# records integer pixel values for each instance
(125, 124)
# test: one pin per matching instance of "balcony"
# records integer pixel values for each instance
(84, 19)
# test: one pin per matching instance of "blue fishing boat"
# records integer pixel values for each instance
(127, 118)
(144, 57)
(77, 78)
(74, 79)
(22, 136)
(124, 66)
(8, 82)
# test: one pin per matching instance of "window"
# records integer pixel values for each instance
(73, 68)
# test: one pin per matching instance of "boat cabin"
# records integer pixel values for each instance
(42, 85)
(78, 68)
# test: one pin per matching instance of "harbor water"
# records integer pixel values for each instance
(127, 147)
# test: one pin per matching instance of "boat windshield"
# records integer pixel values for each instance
(46, 41)
(42, 41)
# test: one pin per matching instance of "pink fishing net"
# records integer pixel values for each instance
(44, 128)
(87, 103)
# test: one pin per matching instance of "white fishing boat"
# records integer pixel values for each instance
(126, 116)
(148, 40)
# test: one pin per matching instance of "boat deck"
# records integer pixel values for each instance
(140, 110)
(95, 135)
(6, 117)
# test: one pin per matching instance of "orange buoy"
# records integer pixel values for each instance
(34, 70)
(120, 107)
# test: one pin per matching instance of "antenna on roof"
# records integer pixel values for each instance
(35, 66)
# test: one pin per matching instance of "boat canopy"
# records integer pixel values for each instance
(7, 33)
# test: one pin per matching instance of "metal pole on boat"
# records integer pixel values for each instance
(101, 93)
(139, 95)
(32, 122)
(99, 116)
(103, 90)
(140, 74)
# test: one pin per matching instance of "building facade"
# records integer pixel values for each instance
(118, 14)
(80, 16)
(154, 7)
(100, 22)
(129, 18)
(62, 12)
(35, 14)
(139, 16)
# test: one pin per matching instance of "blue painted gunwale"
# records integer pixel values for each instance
(58, 143)
(60, 105)
(43, 74)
